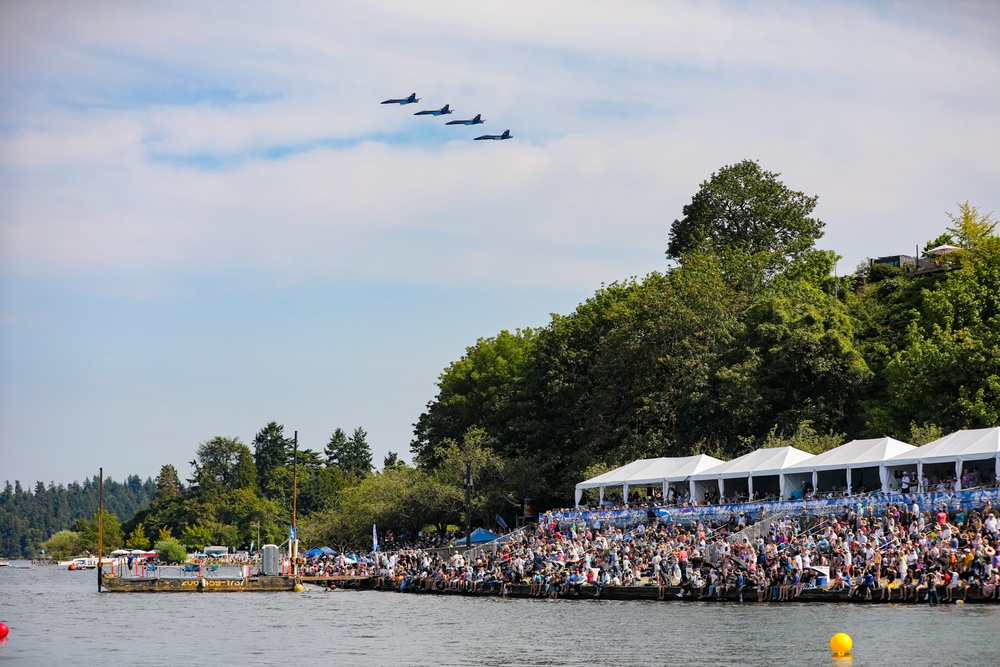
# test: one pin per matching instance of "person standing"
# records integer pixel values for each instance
(904, 484)
(682, 562)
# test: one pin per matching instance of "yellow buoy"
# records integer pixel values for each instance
(841, 643)
(297, 588)
(959, 601)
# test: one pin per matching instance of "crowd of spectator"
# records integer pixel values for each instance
(897, 552)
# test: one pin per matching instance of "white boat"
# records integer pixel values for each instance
(84, 563)
(4, 563)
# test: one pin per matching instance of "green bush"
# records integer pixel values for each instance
(171, 551)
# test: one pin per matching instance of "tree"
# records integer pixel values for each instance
(939, 356)
(196, 537)
(480, 389)
(392, 460)
(137, 538)
(336, 446)
(223, 462)
(113, 538)
(272, 450)
(64, 544)
(745, 214)
(971, 227)
(170, 551)
(168, 484)
(352, 456)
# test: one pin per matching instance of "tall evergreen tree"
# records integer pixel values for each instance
(352, 455)
(271, 451)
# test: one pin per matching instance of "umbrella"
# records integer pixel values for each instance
(136, 552)
(328, 551)
(943, 249)
(312, 553)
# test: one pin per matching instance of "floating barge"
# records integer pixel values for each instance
(113, 584)
(651, 594)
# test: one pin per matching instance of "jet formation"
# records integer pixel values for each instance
(445, 110)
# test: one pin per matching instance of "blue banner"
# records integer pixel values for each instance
(633, 516)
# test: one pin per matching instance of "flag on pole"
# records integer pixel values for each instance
(374, 538)
(501, 522)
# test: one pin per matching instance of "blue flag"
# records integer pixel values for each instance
(501, 522)
(374, 538)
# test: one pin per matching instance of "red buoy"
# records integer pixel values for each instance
(72, 566)
(3, 630)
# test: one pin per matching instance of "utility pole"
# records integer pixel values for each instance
(468, 504)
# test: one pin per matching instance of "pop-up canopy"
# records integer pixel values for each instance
(759, 464)
(976, 447)
(648, 472)
(865, 457)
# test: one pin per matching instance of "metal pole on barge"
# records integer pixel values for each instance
(468, 505)
(295, 487)
(100, 532)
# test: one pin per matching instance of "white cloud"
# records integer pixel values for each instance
(142, 143)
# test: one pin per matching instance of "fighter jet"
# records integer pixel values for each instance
(404, 100)
(434, 112)
(474, 121)
(495, 137)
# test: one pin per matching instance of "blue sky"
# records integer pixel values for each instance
(208, 221)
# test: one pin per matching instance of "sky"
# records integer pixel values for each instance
(208, 222)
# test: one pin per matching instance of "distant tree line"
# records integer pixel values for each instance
(29, 517)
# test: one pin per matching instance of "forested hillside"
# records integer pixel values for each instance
(749, 341)
(28, 518)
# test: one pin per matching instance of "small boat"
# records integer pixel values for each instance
(86, 563)
(4, 563)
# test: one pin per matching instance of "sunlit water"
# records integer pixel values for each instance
(56, 617)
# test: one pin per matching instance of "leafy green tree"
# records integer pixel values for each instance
(171, 551)
(137, 538)
(221, 463)
(321, 488)
(392, 460)
(64, 544)
(806, 438)
(923, 434)
(971, 227)
(113, 538)
(480, 389)
(944, 367)
(743, 213)
(795, 362)
(197, 537)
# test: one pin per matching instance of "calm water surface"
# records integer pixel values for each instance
(57, 617)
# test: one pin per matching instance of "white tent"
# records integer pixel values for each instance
(951, 454)
(863, 456)
(758, 464)
(647, 472)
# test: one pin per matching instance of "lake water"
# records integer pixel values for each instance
(57, 617)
